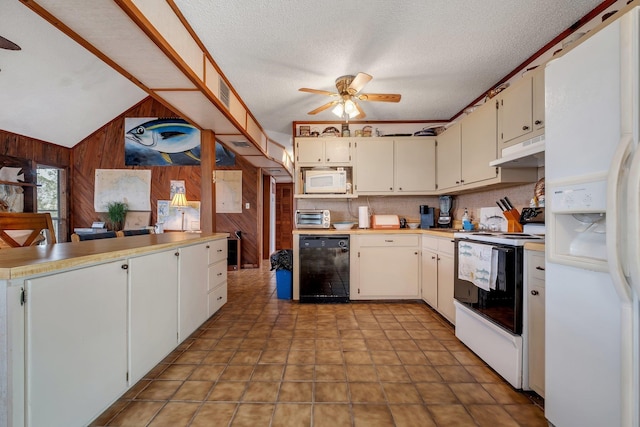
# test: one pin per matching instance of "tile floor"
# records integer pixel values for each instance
(261, 361)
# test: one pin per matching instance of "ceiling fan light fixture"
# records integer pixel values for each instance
(338, 110)
(350, 107)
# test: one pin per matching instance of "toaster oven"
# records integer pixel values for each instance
(313, 218)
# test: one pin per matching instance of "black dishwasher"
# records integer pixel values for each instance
(324, 268)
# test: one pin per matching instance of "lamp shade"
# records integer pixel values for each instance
(179, 200)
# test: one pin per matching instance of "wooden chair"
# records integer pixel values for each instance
(93, 236)
(24, 229)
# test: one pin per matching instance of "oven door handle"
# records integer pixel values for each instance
(505, 250)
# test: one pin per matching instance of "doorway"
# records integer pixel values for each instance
(52, 198)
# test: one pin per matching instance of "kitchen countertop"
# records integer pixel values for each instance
(29, 261)
(534, 246)
(440, 232)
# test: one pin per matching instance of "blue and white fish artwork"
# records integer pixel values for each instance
(161, 142)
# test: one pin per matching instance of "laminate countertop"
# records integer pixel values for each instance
(34, 260)
(534, 246)
(436, 232)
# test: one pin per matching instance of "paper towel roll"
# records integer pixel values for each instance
(363, 217)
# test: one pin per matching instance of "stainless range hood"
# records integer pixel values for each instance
(527, 154)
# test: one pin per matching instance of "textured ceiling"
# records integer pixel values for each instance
(439, 55)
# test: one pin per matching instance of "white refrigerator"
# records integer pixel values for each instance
(592, 173)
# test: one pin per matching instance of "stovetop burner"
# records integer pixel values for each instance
(515, 239)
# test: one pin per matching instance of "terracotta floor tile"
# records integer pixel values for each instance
(368, 415)
(253, 414)
(385, 317)
(436, 393)
(454, 374)
(366, 392)
(454, 345)
(411, 416)
(328, 344)
(361, 373)
(379, 344)
(422, 373)
(299, 373)
(278, 344)
(110, 413)
(374, 334)
(214, 414)
(227, 391)
(261, 392)
(354, 344)
(385, 358)
(274, 356)
(206, 373)
(175, 414)
(349, 334)
(331, 392)
(527, 415)
(469, 393)
(136, 389)
(392, 373)
(451, 416)
(505, 394)
(302, 344)
(237, 373)
(301, 357)
(389, 326)
(327, 333)
(218, 356)
(467, 358)
(438, 358)
(177, 372)
(156, 371)
(296, 392)
(228, 343)
(412, 357)
(430, 345)
(407, 345)
(330, 373)
(137, 414)
(292, 415)
(357, 357)
(159, 390)
(401, 393)
(267, 373)
(329, 357)
(193, 390)
(331, 415)
(491, 416)
(445, 334)
(484, 374)
(397, 334)
(245, 357)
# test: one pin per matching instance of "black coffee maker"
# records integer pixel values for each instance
(427, 217)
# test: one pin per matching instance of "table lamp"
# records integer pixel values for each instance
(179, 201)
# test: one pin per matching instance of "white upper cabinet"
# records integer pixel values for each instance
(323, 151)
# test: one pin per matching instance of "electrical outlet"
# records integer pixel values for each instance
(247, 205)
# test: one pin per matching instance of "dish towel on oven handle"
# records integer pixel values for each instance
(478, 264)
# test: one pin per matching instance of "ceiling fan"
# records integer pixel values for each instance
(8, 44)
(348, 94)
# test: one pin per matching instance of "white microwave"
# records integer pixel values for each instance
(325, 181)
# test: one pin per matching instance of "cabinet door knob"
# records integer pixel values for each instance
(125, 266)
(400, 188)
(208, 246)
(416, 253)
(391, 188)
(525, 127)
(219, 250)
(534, 292)
(177, 254)
(538, 122)
(540, 268)
(219, 274)
(319, 160)
(328, 159)
(433, 257)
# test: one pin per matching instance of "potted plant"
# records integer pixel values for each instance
(116, 213)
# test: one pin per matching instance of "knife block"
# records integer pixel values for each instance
(513, 221)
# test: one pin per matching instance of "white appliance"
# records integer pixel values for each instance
(325, 181)
(593, 185)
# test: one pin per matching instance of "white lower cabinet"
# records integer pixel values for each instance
(438, 275)
(153, 312)
(76, 344)
(535, 325)
(193, 288)
(388, 267)
(217, 283)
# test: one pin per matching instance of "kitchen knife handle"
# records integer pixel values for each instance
(500, 206)
(509, 202)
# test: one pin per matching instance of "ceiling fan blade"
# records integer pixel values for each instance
(317, 91)
(361, 114)
(8, 44)
(358, 83)
(323, 107)
(380, 97)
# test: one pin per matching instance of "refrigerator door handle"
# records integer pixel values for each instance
(633, 224)
(615, 223)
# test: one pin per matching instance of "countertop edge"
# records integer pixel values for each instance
(37, 260)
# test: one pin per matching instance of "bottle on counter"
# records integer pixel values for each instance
(466, 220)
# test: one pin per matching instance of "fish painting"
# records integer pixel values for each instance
(161, 142)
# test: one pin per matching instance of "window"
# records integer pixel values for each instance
(51, 198)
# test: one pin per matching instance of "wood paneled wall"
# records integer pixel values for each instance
(249, 221)
(38, 151)
(104, 149)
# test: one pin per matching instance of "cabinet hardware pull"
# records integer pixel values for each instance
(525, 127)
(438, 258)
(319, 160)
(388, 240)
(219, 274)
(462, 181)
(400, 189)
(433, 257)
(457, 182)
(125, 266)
(208, 246)
(177, 254)
(328, 159)
(391, 188)
(415, 253)
(538, 122)
(540, 268)
(219, 250)
(219, 298)
(534, 293)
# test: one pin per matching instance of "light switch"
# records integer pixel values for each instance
(247, 205)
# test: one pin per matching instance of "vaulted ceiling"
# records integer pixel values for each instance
(439, 55)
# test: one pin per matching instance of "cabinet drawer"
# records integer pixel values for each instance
(430, 243)
(536, 265)
(217, 274)
(446, 246)
(217, 250)
(389, 240)
(217, 298)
